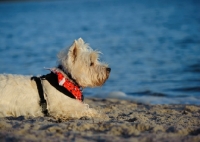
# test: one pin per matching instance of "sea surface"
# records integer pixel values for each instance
(152, 46)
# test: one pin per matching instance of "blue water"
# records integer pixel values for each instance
(153, 47)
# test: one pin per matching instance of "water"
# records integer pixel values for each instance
(153, 47)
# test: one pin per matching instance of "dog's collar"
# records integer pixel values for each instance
(69, 75)
(73, 88)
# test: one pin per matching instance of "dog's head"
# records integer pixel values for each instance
(82, 62)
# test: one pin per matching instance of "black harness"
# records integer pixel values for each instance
(43, 102)
(52, 79)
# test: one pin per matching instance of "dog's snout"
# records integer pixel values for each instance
(108, 69)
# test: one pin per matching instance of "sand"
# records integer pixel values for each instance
(124, 121)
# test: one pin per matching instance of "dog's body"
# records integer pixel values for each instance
(19, 94)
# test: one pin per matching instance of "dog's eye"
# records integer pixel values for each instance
(91, 64)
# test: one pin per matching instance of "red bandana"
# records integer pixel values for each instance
(70, 86)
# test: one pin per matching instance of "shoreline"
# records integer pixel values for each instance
(125, 121)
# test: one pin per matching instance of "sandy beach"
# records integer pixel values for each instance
(124, 121)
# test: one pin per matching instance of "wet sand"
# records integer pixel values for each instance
(123, 121)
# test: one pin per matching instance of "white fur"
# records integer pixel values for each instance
(77, 61)
(19, 94)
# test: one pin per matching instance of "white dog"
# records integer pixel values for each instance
(57, 94)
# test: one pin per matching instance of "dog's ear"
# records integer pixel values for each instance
(73, 51)
(80, 40)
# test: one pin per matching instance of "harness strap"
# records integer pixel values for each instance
(52, 78)
(43, 102)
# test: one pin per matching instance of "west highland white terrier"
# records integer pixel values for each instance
(59, 93)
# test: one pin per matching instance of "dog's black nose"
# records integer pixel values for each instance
(108, 69)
